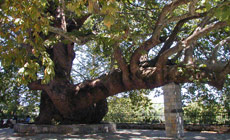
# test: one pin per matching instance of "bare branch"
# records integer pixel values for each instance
(212, 67)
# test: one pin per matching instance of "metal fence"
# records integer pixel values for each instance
(207, 117)
(219, 118)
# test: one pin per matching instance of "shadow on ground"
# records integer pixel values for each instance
(124, 134)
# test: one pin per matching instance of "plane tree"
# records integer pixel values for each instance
(140, 44)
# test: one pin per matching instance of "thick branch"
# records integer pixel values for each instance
(201, 32)
(74, 23)
(37, 85)
(77, 40)
(187, 42)
(185, 16)
(173, 35)
(120, 59)
(122, 65)
(188, 59)
(217, 67)
(62, 15)
(162, 18)
(169, 8)
(144, 48)
(226, 70)
(154, 40)
(168, 44)
(64, 34)
(192, 7)
(217, 47)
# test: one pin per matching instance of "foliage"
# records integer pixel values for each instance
(205, 104)
(126, 109)
(23, 22)
(203, 112)
(16, 100)
(128, 22)
(200, 110)
(225, 98)
(88, 65)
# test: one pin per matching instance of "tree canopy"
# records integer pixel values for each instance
(131, 44)
(128, 28)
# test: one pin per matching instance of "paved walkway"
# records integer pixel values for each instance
(122, 134)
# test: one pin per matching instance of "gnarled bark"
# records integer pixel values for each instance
(50, 114)
(62, 101)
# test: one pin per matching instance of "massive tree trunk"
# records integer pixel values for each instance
(50, 114)
(64, 102)
(60, 99)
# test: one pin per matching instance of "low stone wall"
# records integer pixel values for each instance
(107, 128)
(140, 126)
(64, 129)
(216, 128)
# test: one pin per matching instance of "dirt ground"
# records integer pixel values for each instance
(121, 134)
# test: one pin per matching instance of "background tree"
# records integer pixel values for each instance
(133, 107)
(204, 104)
(146, 44)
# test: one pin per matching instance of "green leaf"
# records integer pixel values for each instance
(108, 21)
